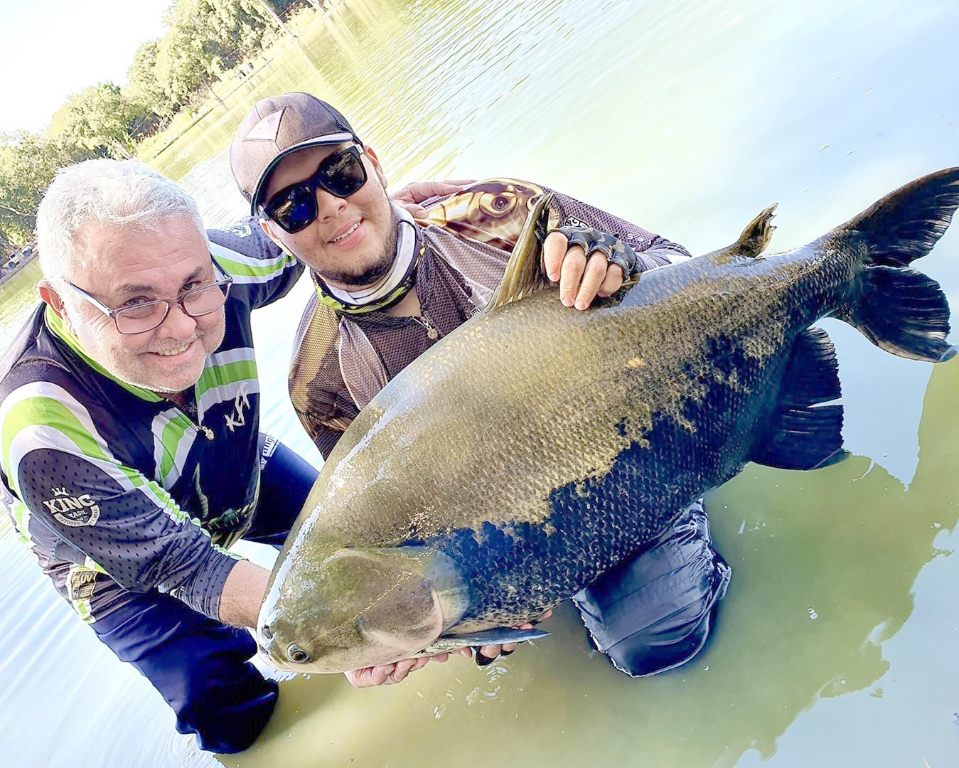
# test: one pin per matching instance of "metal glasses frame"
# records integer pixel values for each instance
(223, 281)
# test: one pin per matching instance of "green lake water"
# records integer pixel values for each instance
(837, 642)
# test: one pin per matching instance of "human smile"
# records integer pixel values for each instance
(176, 350)
(339, 238)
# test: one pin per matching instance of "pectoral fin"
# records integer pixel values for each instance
(497, 636)
(805, 432)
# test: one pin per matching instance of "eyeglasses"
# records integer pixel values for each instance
(341, 174)
(147, 315)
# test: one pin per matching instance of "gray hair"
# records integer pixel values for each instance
(108, 193)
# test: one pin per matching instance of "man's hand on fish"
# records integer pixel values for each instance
(397, 672)
(415, 193)
(586, 263)
(387, 674)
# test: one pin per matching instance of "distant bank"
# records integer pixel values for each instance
(15, 262)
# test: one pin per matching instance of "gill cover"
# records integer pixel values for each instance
(386, 604)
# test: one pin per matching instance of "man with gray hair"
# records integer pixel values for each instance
(132, 457)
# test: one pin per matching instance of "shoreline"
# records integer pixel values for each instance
(7, 274)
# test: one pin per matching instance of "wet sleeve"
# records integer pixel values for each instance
(125, 523)
(261, 272)
(652, 250)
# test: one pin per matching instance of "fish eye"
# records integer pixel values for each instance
(296, 654)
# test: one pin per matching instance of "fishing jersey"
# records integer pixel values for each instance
(465, 240)
(116, 488)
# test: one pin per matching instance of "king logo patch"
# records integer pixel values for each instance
(74, 511)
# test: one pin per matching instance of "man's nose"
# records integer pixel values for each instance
(328, 205)
(177, 322)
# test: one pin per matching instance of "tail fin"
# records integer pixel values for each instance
(899, 309)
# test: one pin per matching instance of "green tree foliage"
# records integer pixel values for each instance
(99, 119)
(28, 162)
(206, 38)
(236, 27)
(7, 246)
(282, 6)
(142, 84)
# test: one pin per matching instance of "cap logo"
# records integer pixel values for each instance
(267, 129)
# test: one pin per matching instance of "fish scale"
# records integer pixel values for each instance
(536, 447)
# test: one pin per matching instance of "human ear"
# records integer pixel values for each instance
(375, 162)
(267, 226)
(270, 230)
(50, 297)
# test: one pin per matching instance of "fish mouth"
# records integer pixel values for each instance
(276, 663)
(268, 657)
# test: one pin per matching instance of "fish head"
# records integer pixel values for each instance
(360, 607)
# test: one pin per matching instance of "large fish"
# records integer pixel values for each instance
(536, 447)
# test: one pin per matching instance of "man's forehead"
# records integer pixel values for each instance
(132, 257)
(102, 237)
(300, 165)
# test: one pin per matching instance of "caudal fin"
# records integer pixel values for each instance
(899, 309)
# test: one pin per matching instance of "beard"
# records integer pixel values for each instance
(376, 271)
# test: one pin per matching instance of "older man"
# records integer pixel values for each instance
(387, 287)
(132, 457)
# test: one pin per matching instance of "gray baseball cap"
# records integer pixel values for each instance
(276, 127)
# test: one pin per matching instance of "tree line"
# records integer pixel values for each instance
(205, 40)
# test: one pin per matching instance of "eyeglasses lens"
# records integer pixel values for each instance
(148, 316)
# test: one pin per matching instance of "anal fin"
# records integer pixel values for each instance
(803, 433)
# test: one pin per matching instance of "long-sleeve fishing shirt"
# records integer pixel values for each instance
(341, 361)
(117, 489)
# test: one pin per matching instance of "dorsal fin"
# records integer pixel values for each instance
(752, 242)
(524, 272)
(757, 234)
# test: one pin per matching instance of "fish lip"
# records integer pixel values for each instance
(273, 661)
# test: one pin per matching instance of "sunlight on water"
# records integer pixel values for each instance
(836, 643)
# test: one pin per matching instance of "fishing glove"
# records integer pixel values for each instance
(592, 241)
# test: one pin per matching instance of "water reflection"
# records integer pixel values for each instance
(17, 296)
(824, 564)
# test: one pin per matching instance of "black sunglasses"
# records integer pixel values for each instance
(341, 174)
